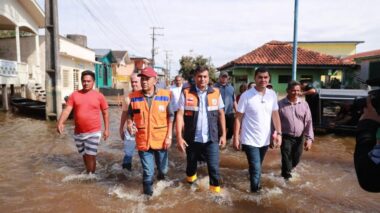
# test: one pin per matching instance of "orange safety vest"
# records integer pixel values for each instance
(191, 109)
(151, 124)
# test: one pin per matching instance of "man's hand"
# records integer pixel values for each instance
(236, 143)
(222, 142)
(307, 145)
(181, 145)
(167, 143)
(132, 129)
(60, 128)
(106, 133)
(277, 141)
(121, 132)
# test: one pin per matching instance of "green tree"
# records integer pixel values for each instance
(189, 63)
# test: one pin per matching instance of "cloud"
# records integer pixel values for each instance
(220, 29)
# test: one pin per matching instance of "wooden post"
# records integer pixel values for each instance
(4, 93)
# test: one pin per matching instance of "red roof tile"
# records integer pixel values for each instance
(367, 54)
(280, 53)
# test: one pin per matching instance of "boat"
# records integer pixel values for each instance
(28, 106)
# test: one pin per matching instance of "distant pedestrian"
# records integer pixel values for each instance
(242, 89)
(176, 90)
(251, 84)
(297, 128)
(151, 112)
(201, 116)
(227, 92)
(87, 105)
(128, 139)
(256, 111)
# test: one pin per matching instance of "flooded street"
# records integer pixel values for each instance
(41, 171)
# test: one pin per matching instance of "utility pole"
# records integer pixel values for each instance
(154, 34)
(167, 63)
(295, 42)
(53, 74)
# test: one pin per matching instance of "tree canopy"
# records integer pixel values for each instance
(189, 63)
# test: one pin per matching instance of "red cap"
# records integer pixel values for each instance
(148, 72)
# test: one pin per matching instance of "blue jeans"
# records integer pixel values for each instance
(255, 157)
(129, 147)
(147, 161)
(210, 151)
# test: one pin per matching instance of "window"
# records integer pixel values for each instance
(76, 79)
(284, 79)
(66, 80)
(241, 79)
(374, 67)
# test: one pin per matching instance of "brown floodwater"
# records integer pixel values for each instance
(41, 171)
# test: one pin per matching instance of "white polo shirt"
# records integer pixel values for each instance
(257, 116)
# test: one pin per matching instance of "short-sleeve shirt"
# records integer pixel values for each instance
(176, 93)
(202, 134)
(228, 95)
(87, 110)
(257, 116)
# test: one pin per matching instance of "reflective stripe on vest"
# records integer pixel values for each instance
(152, 124)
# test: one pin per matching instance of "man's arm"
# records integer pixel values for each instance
(106, 123)
(64, 115)
(277, 126)
(181, 143)
(169, 133)
(237, 124)
(308, 131)
(235, 104)
(222, 121)
(123, 118)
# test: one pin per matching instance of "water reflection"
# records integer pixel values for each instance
(41, 171)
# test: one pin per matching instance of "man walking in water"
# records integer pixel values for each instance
(257, 109)
(296, 124)
(129, 140)
(201, 115)
(87, 105)
(150, 111)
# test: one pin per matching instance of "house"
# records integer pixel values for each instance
(277, 57)
(74, 58)
(122, 68)
(140, 63)
(17, 66)
(103, 70)
(369, 64)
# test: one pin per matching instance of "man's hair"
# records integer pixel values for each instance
(292, 84)
(88, 72)
(261, 70)
(178, 76)
(304, 81)
(199, 69)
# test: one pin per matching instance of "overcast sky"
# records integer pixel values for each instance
(220, 29)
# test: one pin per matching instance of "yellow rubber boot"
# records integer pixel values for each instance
(191, 179)
(215, 189)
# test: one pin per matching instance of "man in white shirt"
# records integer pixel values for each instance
(176, 93)
(257, 108)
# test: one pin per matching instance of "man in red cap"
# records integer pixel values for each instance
(150, 110)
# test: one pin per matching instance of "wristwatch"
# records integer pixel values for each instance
(279, 133)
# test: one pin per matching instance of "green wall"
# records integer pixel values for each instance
(104, 72)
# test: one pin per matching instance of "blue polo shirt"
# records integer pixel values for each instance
(228, 95)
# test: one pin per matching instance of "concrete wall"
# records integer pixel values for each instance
(13, 11)
(334, 49)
